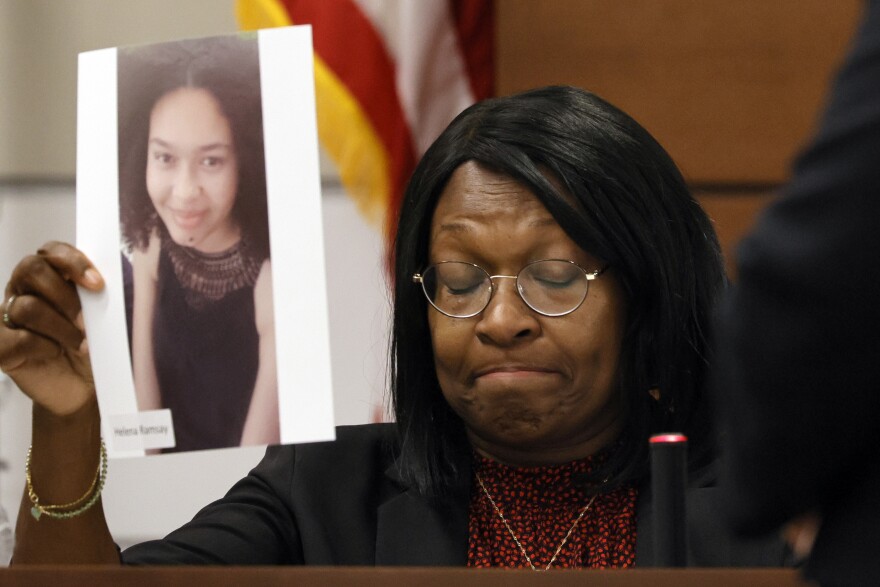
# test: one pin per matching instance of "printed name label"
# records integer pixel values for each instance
(140, 431)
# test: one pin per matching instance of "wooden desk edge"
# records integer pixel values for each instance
(216, 576)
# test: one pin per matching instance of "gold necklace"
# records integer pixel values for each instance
(522, 549)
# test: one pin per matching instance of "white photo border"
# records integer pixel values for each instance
(295, 231)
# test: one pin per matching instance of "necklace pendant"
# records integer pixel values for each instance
(36, 513)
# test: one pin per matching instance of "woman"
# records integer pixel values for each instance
(193, 208)
(553, 279)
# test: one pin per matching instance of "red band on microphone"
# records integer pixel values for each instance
(667, 438)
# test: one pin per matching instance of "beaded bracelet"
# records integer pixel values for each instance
(80, 505)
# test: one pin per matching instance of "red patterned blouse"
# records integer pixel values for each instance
(541, 504)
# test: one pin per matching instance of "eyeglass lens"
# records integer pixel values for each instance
(550, 287)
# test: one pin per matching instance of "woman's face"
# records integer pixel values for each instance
(530, 389)
(192, 170)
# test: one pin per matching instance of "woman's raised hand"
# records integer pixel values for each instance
(42, 339)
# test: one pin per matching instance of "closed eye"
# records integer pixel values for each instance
(556, 282)
(462, 290)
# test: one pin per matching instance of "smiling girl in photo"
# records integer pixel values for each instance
(194, 221)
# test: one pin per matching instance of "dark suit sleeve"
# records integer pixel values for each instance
(798, 373)
(253, 524)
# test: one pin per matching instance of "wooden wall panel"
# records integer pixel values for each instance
(731, 88)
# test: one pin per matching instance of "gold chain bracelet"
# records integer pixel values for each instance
(74, 508)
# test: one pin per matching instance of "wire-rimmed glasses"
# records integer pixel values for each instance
(550, 287)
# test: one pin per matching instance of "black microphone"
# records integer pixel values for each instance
(668, 483)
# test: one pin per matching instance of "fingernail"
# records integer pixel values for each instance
(79, 322)
(92, 277)
(84, 346)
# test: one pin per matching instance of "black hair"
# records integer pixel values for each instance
(228, 68)
(622, 200)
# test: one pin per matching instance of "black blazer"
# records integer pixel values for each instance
(341, 503)
(799, 353)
